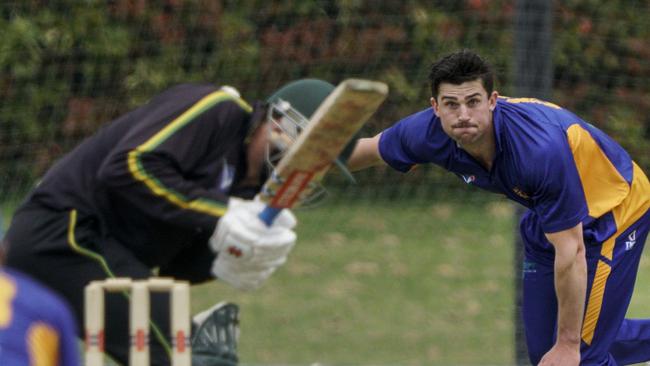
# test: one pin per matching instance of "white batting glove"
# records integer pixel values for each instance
(248, 250)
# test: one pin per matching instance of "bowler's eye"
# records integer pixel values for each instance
(452, 105)
(473, 102)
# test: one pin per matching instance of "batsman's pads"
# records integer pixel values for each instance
(214, 342)
(249, 251)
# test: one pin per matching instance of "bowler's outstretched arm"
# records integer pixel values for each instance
(365, 154)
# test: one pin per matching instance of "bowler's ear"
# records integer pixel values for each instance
(434, 104)
(492, 101)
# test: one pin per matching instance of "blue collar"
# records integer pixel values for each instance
(498, 130)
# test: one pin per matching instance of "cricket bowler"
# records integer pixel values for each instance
(588, 205)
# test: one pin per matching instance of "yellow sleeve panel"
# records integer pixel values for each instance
(43, 345)
(7, 294)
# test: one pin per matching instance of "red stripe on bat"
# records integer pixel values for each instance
(291, 189)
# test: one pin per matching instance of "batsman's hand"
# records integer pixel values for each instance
(249, 251)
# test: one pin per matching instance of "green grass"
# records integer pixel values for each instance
(404, 283)
(640, 306)
(409, 282)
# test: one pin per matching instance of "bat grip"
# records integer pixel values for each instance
(268, 214)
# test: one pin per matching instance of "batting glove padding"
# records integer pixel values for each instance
(248, 251)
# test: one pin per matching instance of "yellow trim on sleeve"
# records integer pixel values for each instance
(158, 188)
(602, 183)
(7, 295)
(43, 345)
(201, 106)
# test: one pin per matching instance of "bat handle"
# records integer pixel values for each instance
(268, 214)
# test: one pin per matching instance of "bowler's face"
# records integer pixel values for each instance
(465, 111)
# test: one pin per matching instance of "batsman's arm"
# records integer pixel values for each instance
(365, 154)
(151, 168)
(571, 288)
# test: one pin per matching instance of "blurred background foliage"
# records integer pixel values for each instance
(69, 66)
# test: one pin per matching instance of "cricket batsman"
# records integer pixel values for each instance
(588, 205)
(168, 189)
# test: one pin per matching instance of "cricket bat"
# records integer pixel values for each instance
(330, 128)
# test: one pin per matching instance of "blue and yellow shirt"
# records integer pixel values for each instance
(562, 168)
(36, 327)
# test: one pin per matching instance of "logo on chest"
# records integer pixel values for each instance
(631, 241)
(468, 178)
(226, 177)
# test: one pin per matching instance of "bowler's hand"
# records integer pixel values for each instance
(249, 251)
(561, 354)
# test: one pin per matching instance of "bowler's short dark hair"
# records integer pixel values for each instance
(460, 67)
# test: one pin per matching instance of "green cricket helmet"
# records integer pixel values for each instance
(290, 109)
(304, 95)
